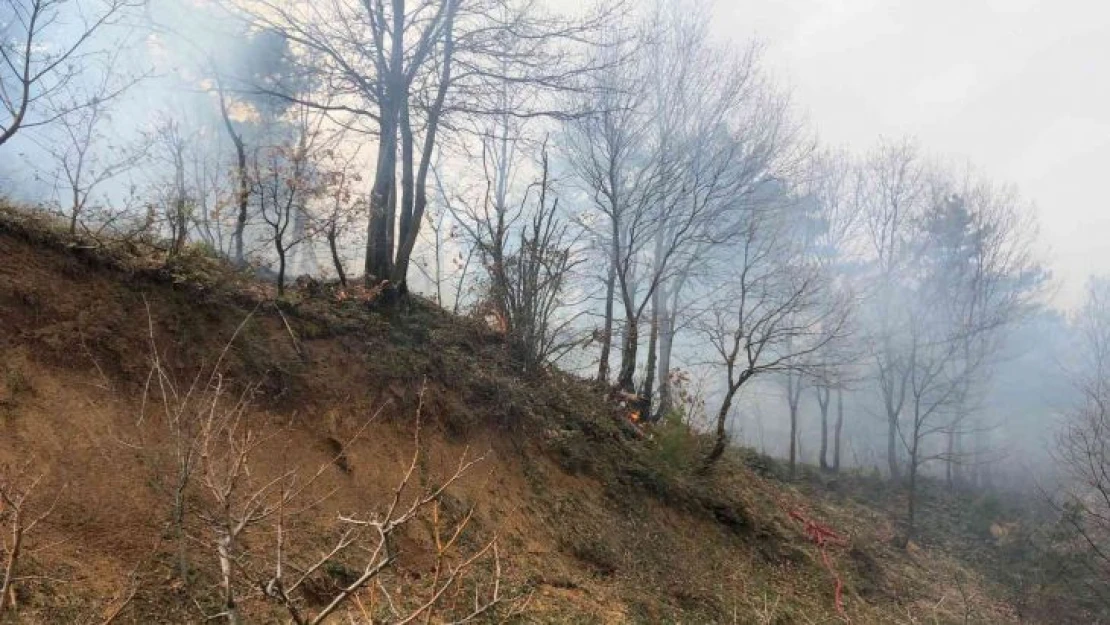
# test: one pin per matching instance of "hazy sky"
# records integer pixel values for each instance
(1019, 87)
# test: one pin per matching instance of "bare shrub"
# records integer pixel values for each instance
(22, 510)
(263, 525)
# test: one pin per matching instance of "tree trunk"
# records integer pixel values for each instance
(279, 245)
(958, 476)
(720, 442)
(793, 399)
(893, 412)
(73, 222)
(180, 205)
(383, 197)
(76, 211)
(243, 199)
(391, 226)
(823, 396)
(224, 549)
(666, 342)
(625, 379)
(242, 179)
(793, 439)
(892, 446)
(649, 372)
(911, 506)
(949, 460)
(281, 269)
(408, 178)
(413, 215)
(334, 247)
(837, 429)
(399, 269)
(379, 252)
(607, 329)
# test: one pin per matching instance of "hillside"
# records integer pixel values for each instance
(596, 521)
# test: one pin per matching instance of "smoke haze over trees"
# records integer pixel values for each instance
(622, 192)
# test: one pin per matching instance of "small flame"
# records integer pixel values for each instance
(634, 416)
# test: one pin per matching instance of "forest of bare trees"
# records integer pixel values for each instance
(618, 191)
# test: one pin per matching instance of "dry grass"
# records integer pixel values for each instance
(600, 525)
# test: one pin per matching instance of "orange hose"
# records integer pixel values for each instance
(823, 536)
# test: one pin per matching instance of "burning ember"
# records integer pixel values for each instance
(634, 416)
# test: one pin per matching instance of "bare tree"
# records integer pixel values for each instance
(1005, 280)
(400, 69)
(441, 230)
(339, 205)
(723, 131)
(835, 374)
(285, 180)
(608, 151)
(684, 137)
(45, 47)
(970, 275)
(210, 191)
(605, 337)
(796, 380)
(234, 498)
(222, 191)
(530, 277)
(181, 410)
(238, 501)
(770, 316)
(1083, 446)
(83, 150)
(246, 115)
(832, 189)
(242, 171)
(893, 194)
(527, 247)
(171, 146)
(448, 238)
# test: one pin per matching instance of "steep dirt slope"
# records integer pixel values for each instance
(594, 523)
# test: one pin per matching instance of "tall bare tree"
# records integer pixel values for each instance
(728, 132)
(679, 139)
(401, 69)
(832, 187)
(609, 153)
(893, 195)
(1083, 445)
(772, 315)
(242, 172)
(970, 275)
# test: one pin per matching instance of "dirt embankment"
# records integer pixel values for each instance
(593, 523)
